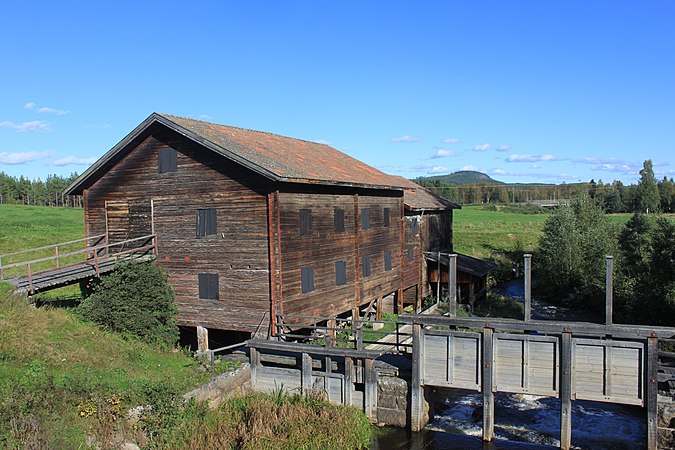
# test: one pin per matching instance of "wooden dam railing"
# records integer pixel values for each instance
(96, 253)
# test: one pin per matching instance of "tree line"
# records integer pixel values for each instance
(648, 195)
(24, 191)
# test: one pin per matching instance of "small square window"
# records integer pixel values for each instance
(365, 266)
(305, 222)
(208, 286)
(307, 279)
(365, 218)
(206, 222)
(411, 253)
(340, 273)
(339, 220)
(387, 260)
(168, 160)
(386, 217)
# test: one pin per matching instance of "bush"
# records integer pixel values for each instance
(136, 300)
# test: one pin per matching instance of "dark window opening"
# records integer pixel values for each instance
(305, 222)
(339, 220)
(168, 160)
(208, 286)
(414, 227)
(387, 260)
(411, 253)
(365, 266)
(206, 222)
(340, 273)
(386, 217)
(307, 279)
(365, 218)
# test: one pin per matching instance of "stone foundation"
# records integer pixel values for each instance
(224, 386)
(666, 422)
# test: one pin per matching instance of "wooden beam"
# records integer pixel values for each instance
(417, 421)
(488, 395)
(254, 358)
(566, 390)
(306, 373)
(272, 264)
(452, 285)
(528, 286)
(370, 389)
(348, 380)
(609, 295)
(651, 399)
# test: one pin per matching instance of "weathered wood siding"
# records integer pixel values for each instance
(323, 246)
(238, 252)
(438, 234)
(413, 270)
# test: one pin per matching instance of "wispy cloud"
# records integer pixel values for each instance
(72, 160)
(443, 153)
(406, 139)
(537, 175)
(595, 161)
(35, 125)
(430, 169)
(535, 166)
(322, 141)
(618, 168)
(204, 116)
(531, 158)
(29, 105)
(503, 148)
(482, 148)
(48, 110)
(452, 141)
(435, 170)
(470, 167)
(22, 157)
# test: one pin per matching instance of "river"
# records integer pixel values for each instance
(524, 421)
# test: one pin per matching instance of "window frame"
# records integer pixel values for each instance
(167, 160)
(208, 286)
(207, 222)
(307, 279)
(340, 273)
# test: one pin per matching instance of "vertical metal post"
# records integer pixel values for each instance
(565, 390)
(488, 395)
(452, 285)
(528, 286)
(609, 294)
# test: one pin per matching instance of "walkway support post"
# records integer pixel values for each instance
(651, 399)
(528, 286)
(609, 294)
(452, 285)
(417, 419)
(565, 390)
(488, 395)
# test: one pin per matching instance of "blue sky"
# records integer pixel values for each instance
(526, 91)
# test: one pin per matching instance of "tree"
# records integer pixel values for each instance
(647, 189)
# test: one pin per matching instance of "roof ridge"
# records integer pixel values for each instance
(244, 129)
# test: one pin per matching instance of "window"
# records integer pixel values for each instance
(206, 222)
(339, 220)
(411, 253)
(168, 160)
(365, 219)
(414, 227)
(365, 266)
(387, 260)
(305, 222)
(340, 273)
(386, 217)
(307, 279)
(208, 286)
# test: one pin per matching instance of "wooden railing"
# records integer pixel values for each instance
(91, 254)
(350, 333)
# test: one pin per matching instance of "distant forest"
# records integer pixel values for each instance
(24, 191)
(648, 195)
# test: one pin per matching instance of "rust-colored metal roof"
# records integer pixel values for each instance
(289, 159)
(417, 198)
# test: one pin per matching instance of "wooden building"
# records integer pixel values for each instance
(251, 224)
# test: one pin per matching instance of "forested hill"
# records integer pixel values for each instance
(461, 177)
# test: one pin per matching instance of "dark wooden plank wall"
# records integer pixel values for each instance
(439, 231)
(239, 250)
(324, 246)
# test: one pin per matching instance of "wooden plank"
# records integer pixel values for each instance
(254, 358)
(348, 385)
(528, 286)
(306, 373)
(566, 391)
(370, 389)
(609, 295)
(488, 395)
(417, 421)
(651, 398)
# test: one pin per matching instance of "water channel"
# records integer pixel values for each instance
(524, 421)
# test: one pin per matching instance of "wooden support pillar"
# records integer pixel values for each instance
(332, 333)
(528, 286)
(488, 395)
(254, 357)
(452, 285)
(417, 417)
(651, 399)
(566, 390)
(306, 373)
(399, 301)
(378, 314)
(202, 339)
(438, 279)
(609, 294)
(370, 394)
(348, 381)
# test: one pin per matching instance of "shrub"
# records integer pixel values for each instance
(136, 300)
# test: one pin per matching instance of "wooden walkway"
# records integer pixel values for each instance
(98, 259)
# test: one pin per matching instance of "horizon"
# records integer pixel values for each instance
(523, 92)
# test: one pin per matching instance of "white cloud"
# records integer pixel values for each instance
(452, 141)
(29, 105)
(22, 157)
(629, 169)
(438, 169)
(503, 148)
(482, 148)
(498, 172)
(470, 167)
(35, 125)
(534, 166)
(531, 158)
(537, 175)
(595, 161)
(322, 141)
(204, 116)
(406, 139)
(48, 110)
(72, 160)
(442, 153)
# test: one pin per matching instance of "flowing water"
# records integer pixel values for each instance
(524, 421)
